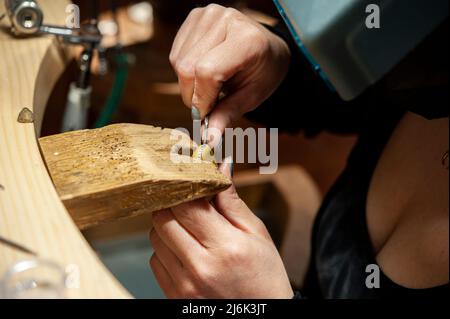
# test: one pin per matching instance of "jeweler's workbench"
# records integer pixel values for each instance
(31, 212)
(88, 178)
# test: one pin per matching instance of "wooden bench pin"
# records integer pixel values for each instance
(124, 170)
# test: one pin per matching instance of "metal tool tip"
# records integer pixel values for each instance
(196, 116)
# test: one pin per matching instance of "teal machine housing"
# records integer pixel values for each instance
(350, 56)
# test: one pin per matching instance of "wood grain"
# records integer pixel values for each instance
(124, 170)
(31, 212)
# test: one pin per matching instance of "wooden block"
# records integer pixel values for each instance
(124, 170)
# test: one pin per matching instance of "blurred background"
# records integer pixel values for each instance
(139, 70)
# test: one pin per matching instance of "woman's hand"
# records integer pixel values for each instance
(220, 251)
(220, 49)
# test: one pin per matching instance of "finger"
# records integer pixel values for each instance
(202, 23)
(186, 84)
(233, 208)
(203, 221)
(162, 277)
(177, 238)
(183, 33)
(185, 76)
(217, 66)
(184, 67)
(165, 255)
(212, 70)
(208, 42)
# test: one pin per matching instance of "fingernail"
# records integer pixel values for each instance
(196, 116)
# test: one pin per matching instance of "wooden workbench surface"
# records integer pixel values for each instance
(30, 211)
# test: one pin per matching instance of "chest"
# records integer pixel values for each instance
(407, 204)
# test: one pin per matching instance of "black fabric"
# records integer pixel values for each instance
(341, 246)
(297, 295)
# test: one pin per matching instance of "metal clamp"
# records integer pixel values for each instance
(27, 19)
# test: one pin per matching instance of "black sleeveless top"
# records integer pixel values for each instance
(341, 245)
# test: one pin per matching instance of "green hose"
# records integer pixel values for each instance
(117, 91)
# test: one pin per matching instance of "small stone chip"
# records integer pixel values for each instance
(25, 116)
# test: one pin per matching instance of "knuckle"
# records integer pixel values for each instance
(153, 261)
(260, 224)
(262, 44)
(190, 263)
(204, 68)
(235, 253)
(213, 8)
(172, 59)
(185, 69)
(193, 265)
(194, 13)
(188, 290)
(208, 70)
(204, 274)
(261, 228)
(257, 37)
(231, 13)
(238, 21)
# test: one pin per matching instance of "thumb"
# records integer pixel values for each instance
(232, 207)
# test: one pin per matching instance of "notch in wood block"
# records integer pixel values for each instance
(124, 170)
